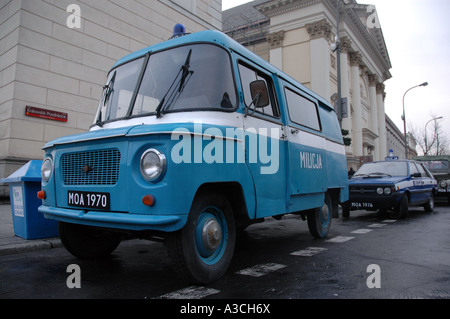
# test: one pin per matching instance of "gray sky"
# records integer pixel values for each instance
(417, 36)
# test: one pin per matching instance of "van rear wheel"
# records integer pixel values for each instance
(203, 249)
(319, 219)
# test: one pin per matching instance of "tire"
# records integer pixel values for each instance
(429, 207)
(87, 242)
(402, 210)
(202, 251)
(319, 219)
(345, 212)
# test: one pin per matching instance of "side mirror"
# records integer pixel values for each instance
(260, 95)
(416, 175)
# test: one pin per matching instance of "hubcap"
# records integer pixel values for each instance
(211, 234)
(324, 213)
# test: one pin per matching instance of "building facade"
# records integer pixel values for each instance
(299, 37)
(55, 56)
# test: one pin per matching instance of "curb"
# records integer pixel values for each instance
(29, 246)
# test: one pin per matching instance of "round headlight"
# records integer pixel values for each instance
(153, 165)
(388, 191)
(443, 184)
(47, 169)
(379, 191)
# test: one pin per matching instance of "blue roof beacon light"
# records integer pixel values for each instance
(179, 30)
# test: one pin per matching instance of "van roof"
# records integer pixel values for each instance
(219, 38)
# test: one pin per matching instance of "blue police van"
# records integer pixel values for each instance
(391, 185)
(195, 138)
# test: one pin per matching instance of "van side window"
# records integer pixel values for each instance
(302, 111)
(249, 75)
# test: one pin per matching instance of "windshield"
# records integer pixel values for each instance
(436, 165)
(380, 169)
(187, 78)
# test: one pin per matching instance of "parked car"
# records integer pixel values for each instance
(440, 168)
(391, 185)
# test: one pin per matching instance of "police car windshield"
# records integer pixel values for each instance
(187, 78)
(380, 169)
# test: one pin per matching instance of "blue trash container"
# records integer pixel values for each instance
(23, 187)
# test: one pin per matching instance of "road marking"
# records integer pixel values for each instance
(389, 221)
(361, 231)
(308, 252)
(339, 239)
(377, 225)
(260, 270)
(193, 292)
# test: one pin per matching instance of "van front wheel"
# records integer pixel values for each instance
(319, 219)
(203, 249)
(87, 242)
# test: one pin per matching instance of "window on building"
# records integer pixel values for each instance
(301, 110)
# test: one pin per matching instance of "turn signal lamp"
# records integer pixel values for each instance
(148, 200)
(41, 195)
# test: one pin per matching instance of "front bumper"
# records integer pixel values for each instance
(167, 223)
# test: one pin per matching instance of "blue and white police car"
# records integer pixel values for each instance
(391, 185)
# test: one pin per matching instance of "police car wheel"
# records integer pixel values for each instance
(319, 219)
(203, 249)
(402, 210)
(87, 242)
(429, 207)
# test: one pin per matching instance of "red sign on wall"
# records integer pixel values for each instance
(46, 114)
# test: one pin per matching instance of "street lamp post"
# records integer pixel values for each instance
(404, 117)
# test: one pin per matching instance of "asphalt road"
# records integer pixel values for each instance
(363, 257)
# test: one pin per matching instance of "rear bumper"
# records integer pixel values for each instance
(133, 222)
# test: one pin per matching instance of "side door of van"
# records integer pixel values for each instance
(265, 143)
(306, 151)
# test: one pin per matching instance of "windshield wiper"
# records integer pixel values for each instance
(185, 75)
(108, 89)
(185, 70)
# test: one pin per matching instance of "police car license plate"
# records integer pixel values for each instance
(361, 205)
(92, 200)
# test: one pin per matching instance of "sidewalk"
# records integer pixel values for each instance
(11, 244)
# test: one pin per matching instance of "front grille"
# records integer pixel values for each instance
(91, 168)
(363, 190)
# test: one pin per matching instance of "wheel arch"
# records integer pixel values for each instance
(234, 192)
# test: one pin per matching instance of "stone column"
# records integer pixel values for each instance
(373, 81)
(355, 62)
(320, 33)
(275, 41)
(381, 121)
